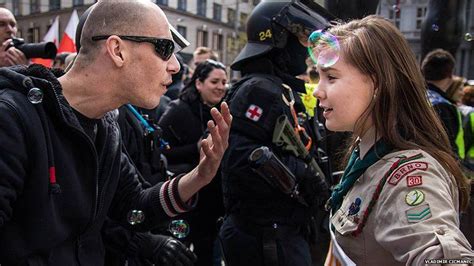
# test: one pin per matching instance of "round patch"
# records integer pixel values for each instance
(415, 197)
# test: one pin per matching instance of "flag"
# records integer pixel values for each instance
(68, 43)
(51, 36)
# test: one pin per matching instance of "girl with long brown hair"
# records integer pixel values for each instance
(398, 201)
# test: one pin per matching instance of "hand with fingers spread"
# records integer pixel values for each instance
(214, 146)
(211, 153)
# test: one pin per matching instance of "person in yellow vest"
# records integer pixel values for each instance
(467, 108)
(309, 101)
(438, 68)
(399, 199)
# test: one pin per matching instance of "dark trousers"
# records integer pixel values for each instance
(243, 245)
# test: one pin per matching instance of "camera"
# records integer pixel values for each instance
(45, 50)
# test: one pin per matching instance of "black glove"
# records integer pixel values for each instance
(161, 250)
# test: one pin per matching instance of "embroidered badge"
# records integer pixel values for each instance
(405, 170)
(254, 112)
(418, 213)
(415, 197)
(355, 206)
(414, 181)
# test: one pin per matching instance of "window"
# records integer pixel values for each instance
(217, 41)
(201, 7)
(16, 7)
(243, 20)
(231, 16)
(54, 4)
(34, 6)
(182, 5)
(78, 2)
(182, 30)
(33, 35)
(19, 33)
(217, 12)
(201, 38)
(230, 43)
(162, 2)
(394, 16)
(420, 15)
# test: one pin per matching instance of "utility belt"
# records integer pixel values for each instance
(268, 234)
(250, 227)
(262, 212)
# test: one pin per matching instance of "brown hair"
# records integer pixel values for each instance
(468, 98)
(437, 65)
(206, 50)
(458, 82)
(401, 111)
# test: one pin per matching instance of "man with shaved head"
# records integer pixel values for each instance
(63, 168)
(9, 55)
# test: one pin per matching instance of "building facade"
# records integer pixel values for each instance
(408, 16)
(218, 24)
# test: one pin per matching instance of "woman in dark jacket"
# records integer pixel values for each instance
(184, 124)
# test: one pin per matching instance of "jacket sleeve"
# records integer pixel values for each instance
(157, 203)
(13, 159)
(418, 217)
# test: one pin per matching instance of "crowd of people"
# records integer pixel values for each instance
(125, 154)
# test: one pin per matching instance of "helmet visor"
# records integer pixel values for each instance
(179, 41)
(301, 18)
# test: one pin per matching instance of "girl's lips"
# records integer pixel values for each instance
(327, 112)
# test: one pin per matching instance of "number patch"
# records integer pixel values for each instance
(265, 35)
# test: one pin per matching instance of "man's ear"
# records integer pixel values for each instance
(116, 50)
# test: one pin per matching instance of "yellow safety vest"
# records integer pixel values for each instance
(308, 99)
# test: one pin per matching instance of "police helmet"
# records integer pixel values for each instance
(272, 21)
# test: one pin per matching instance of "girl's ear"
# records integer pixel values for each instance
(198, 84)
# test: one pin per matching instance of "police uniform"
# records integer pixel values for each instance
(403, 210)
(263, 225)
(257, 213)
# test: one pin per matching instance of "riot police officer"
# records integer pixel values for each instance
(264, 225)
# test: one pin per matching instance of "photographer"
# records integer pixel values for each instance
(9, 55)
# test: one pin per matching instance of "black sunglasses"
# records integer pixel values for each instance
(163, 47)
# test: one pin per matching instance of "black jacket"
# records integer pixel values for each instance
(55, 219)
(183, 124)
(448, 114)
(144, 150)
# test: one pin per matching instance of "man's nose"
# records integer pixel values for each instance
(173, 65)
(10, 29)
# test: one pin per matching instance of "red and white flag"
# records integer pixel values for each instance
(68, 43)
(51, 36)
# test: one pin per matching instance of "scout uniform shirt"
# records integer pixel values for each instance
(413, 218)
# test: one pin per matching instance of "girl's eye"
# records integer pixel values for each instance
(331, 77)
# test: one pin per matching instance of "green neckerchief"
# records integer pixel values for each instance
(355, 168)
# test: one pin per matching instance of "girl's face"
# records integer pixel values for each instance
(213, 88)
(344, 94)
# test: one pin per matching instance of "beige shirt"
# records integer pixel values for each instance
(415, 217)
